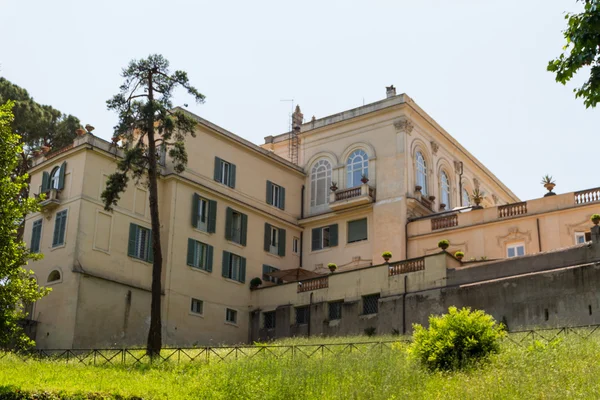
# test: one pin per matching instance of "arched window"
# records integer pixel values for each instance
(466, 199)
(320, 181)
(54, 276)
(445, 189)
(421, 172)
(54, 178)
(357, 166)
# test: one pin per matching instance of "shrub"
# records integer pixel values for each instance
(594, 216)
(332, 266)
(459, 254)
(256, 282)
(457, 339)
(386, 254)
(443, 244)
(370, 331)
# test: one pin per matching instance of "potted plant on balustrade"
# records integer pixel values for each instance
(549, 184)
(595, 218)
(387, 255)
(443, 244)
(255, 282)
(333, 186)
(332, 267)
(364, 179)
(477, 197)
(459, 255)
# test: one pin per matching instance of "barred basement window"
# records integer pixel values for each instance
(335, 310)
(269, 318)
(302, 315)
(371, 304)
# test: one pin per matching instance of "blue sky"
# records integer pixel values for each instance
(477, 67)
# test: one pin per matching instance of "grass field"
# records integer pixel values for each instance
(568, 368)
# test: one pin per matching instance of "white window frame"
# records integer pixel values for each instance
(320, 178)
(236, 227)
(203, 213)
(515, 247)
(296, 245)
(231, 316)
(200, 255)
(445, 189)
(225, 170)
(579, 235)
(235, 263)
(139, 244)
(276, 195)
(55, 178)
(325, 239)
(358, 161)
(421, 172)
(274, 241)
(196, 302)
(466, 198)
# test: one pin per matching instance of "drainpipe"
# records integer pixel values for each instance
(404, 307)
(301, 247)
(460, 188)
(537, 220)
(302, 202)
(310, 311)
(406, 239)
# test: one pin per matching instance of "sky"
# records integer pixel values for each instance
(477, 67)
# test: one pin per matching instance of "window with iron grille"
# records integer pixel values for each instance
(302, 315)
(335, 310)
(371, 304)
(269, 320)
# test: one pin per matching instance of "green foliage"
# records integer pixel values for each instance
(17, 286)
(582, 50)
(386, 254)
(256, 282)
(477, 196)
(547, 179)
(455, 340)
(332, 266)
(459, 254)
(443, 244)
(594, 216)
(370, 331)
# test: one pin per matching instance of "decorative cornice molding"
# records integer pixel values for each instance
(514, 234)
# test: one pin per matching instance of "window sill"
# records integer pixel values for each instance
(101, 250)
(60, 246)
(367, 316)
(196, 314)
(273, 255)
(139, 260)
(236, 244)
(234, 281)
(53, 283)
(202, 232)
(326, 249)
(196, 269)
(357, 243)
(231, 323)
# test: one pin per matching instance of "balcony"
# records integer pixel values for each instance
(313, 284)
(356, 196)
(51, 201)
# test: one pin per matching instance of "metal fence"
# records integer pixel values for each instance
(207, 355)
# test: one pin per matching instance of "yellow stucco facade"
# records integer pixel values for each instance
(258, 207)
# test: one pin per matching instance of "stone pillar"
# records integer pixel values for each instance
(595, 234)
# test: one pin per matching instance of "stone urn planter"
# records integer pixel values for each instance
(80, 132)
(549, 184)
(459, 255)
(431, 198)
(333, 187)
(442, 207)
(443, 244)
(595, 219)
(386, 256)
(364, 179)
(332, 267)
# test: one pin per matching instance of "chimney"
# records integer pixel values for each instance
(297, 118)
(390, 91)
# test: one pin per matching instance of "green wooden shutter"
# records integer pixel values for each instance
(45, 181)
(282, 198)
(36, 236)
(150, 247)
(191, 250)
(267, 245)
(225, 264)
(269, 193)
(244, 233)
(218, 176)
(281, 244)
(131, 247)
(195, 209)
(316, 239)
(242, 277)
(333, 235)
(228, 223)
(61, 175)
(209, 258)
(212, 216)
(56, 230)
(232, 175)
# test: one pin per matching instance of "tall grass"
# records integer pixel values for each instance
(567, 368)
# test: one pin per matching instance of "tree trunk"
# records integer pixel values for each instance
(155, 333)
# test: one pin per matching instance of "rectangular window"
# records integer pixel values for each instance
(274, 240)
(236, 226)
(267, 269)
(199, 255)
(296, 245)
(225, 172)
(234, 267)
(60, 225)
(36, 236)
(515, 250)
(275, 195)
(231, 316)
(302, 315)
(371, 304)
(582, 237)
(140, 243)
(335, 310)
(197, 307)
(204, 214)
(269, 320)
(324, 237)
(357, 230)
